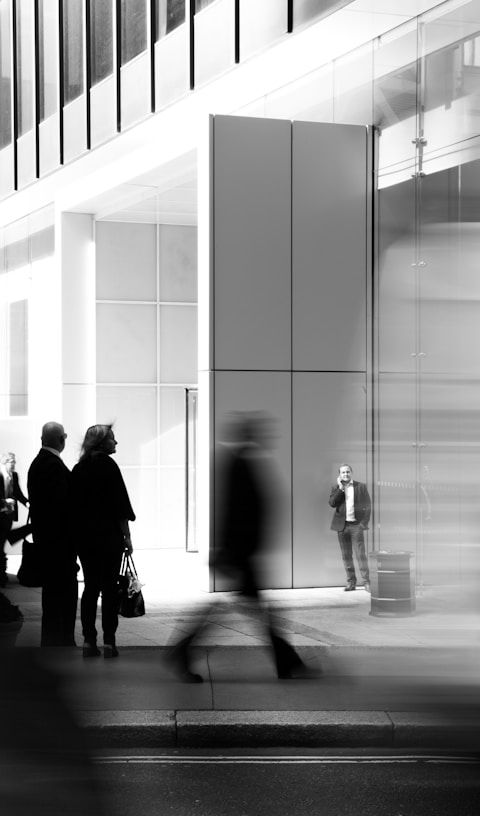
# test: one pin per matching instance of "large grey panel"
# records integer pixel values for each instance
(329, 246)
(269, 392)
(329, 427)
(252, 263)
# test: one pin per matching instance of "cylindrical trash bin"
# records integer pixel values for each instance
(392, 583)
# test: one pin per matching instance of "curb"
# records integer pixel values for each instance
(314, 729)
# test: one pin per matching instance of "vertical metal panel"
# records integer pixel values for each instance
(329, 427)
(329, 247)
(252, 263)
(135, 78)
(267, 392)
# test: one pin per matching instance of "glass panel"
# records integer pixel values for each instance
(48, 58)
(309, 99)
(134, 414)
(101, 40)
(451, 100)
(308, 10)
(395, 94)
(191, 463)
(73, 49)
(201, 4)
(142, 486)
(395, 505)
(171, 506)
(178, 344)
(126, 261)
(25, 66)
(353, 77)
(172, 426)
(19, 358)
(169, 15)
(178, 263)
(5, 75)
(134, 29)
(126, 342)
(397, 279)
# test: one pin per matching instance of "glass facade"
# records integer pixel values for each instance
(26, 278)
(101, 41)
(419, 85)
(169, 14)
(134, 29)
(6, 133)
(146, 364)
(73, 49)
(25, 67)
(48, 58)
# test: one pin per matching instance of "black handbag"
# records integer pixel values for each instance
(130, 598)
(31, 569)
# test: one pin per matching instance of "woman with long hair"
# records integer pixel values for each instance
(101, 512)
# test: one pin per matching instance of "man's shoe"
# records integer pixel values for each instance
(90, 650)
(350, 588)
(110, 650)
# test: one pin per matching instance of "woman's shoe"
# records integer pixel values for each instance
(90, 650)
(110, 650)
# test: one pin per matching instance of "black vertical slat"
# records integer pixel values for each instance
(289, 16)
(192, 44)
(237, 31)
(118, 48)
(36, 36)
(153, 31)
(61, 79)
(15, 94)
(88, 70)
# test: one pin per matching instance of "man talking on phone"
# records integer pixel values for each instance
(352, 513)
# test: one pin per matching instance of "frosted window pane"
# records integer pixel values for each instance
(126, 261)
(178, 263)
(172, 426)
(142, 486)
(178, 344)
(126, 341)
(172, 506)
(134, 413)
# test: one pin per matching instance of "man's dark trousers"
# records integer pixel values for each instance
(351, 540)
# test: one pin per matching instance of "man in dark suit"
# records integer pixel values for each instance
(10, 495)
(48, 489)
(352, 513)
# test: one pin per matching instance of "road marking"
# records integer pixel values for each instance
(272, 760)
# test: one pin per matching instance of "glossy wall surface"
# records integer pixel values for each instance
(289, 316)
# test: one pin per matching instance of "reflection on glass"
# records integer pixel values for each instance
(25, 66)
(452, 74)
(134, 29)
(353, 76)
(169, 15)
(101, 41)
(5, 76)
(201, 4)
(395, 94)
(73, 50)
(48, 59)
(308, 10)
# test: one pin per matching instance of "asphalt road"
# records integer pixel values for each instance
(289, 783)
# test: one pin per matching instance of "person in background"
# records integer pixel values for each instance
(101, 512)
(48, 489)
(10, 495)
(352, 513)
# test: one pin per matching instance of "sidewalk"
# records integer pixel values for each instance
(375, 681)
